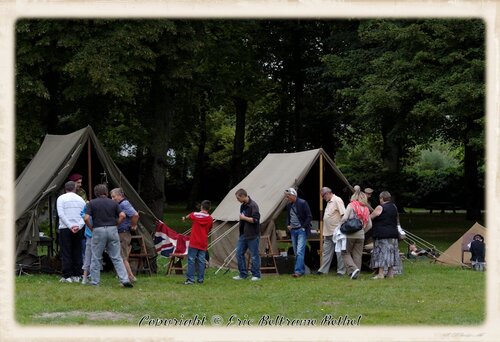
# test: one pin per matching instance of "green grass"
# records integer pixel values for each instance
(426, 294)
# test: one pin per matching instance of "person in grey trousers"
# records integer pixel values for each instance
(334, 211)
(106, 216)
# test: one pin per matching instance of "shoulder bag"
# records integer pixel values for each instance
(351, 225)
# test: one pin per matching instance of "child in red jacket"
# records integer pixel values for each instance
(198, 242)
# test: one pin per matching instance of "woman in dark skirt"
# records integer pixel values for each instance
(385, 237)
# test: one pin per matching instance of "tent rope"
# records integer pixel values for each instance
(214, 230)
(428, 245)
(227, 260)
(222, 236)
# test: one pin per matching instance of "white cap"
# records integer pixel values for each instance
(291, 191)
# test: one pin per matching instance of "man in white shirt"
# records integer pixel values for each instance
(334, 211)
(69, 208)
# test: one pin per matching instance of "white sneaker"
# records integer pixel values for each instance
(65, 280)
(355, 274)
(84, 281)
(255, 279)
(238, 278)
(75, 279)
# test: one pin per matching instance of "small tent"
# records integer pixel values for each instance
(307, 171)
(42, 180)
(453, 255)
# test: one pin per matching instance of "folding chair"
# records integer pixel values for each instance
(175, 263)
(268, 262)
(140, 255)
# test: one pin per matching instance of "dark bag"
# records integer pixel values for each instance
(352, 225)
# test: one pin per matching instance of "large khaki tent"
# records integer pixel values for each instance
(453, 255)
(41, 181)
(307, 171)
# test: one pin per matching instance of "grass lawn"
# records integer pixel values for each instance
(426, 294)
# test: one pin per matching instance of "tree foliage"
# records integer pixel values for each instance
(191, 106)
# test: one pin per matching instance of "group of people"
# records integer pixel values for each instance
(348, 248)
(106, 224)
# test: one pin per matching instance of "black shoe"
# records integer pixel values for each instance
(199, 281)
(319, 273)
(127, 284)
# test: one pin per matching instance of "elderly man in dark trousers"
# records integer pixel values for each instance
(106, 216)
(298, 221)
(69, 207)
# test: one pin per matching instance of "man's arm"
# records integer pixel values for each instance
(62, 215)
(133, 221)
(254, 216)
(308, 215)
(121, 217)
(86, 218)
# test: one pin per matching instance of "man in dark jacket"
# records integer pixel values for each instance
(478, 252)
(298, 221)
(249, 236)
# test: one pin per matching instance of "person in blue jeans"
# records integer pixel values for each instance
(249, 236)
(298, 221)
(106, 216)
(198, 242)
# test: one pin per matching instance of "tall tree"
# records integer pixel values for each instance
(127, 78)
(391, 75)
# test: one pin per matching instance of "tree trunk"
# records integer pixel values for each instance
(241, 106)
(154, 163)
(391, 157)
(51, 119)
(471, 176)
(298, 86)
(200, 160)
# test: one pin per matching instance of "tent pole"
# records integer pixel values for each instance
(51, 231)
(89, 168)
(320, 210)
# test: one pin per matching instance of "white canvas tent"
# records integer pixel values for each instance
(266, 185)
(453, 255)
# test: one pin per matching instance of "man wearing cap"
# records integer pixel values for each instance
(298, 221)
(77, 178)
(334, 211)
(368, 192)
(368, 234)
